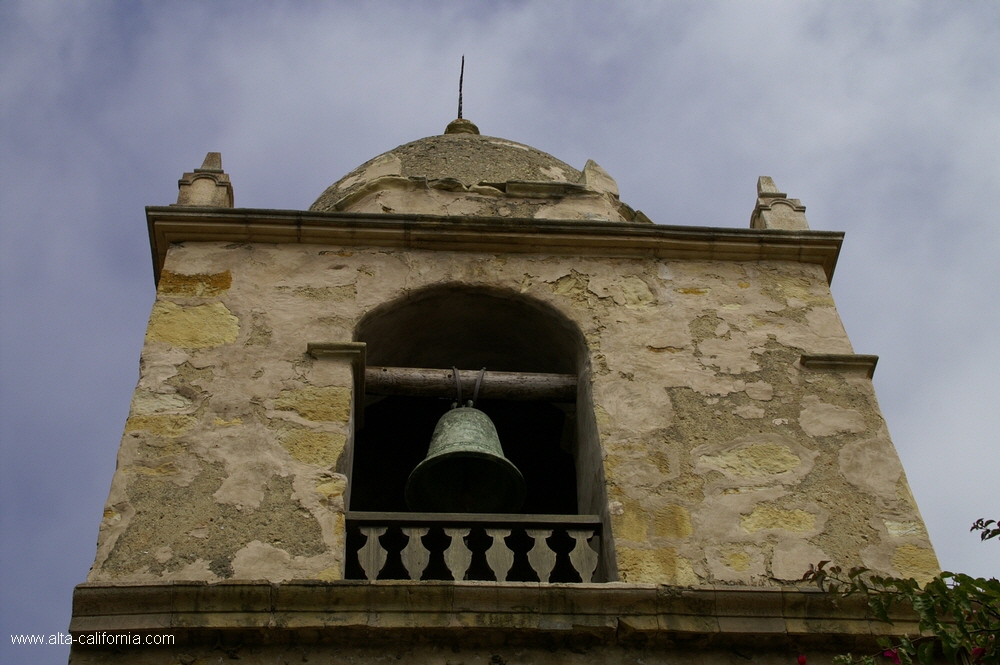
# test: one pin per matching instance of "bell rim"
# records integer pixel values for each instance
(428, 463)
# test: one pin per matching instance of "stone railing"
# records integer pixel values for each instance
(459, 546)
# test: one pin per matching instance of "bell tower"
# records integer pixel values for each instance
(670, 427)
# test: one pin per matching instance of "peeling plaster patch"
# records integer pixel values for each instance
(920, 563)
(672, 521)
(792, 559)
(145, 402)
(766, 516)
(732, 356)
(871, 465)
(740, 563)
(161, 425)
(661, 566)
(574, 286)
(554, 172)
(198, 327)
(749, 412)
(632, 406)
(315, 448)
(820, 419)
(760, 391)
(198, 286)
(327, 404)
(637, 294)
(261, 561)
(195, 527)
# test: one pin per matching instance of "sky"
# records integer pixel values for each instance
(881, 117)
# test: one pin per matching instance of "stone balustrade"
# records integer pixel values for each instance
(458, 546)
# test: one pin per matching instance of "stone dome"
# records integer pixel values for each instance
(463, 172)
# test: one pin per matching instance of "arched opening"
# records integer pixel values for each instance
(457, 326)
(551, 441)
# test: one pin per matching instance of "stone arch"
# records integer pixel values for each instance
(555, 445)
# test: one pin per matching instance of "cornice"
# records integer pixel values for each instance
(174, 224)
(524, 613)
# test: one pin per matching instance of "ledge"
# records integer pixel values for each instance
(368, 613)
(487, 234)
(840, 362)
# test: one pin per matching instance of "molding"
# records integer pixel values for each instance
(397, 612)
(840, 362)
(486, 234)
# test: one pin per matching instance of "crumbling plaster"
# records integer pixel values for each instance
(725, 461)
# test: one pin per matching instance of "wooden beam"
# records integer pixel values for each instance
(424, 382)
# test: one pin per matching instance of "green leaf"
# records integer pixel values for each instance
(925, 653)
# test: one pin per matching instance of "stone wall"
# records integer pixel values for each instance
(725, 460)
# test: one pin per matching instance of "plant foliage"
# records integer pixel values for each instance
(959, 613)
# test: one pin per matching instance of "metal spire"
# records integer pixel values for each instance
(460, 77)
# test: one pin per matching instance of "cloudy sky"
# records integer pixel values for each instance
(881, 117)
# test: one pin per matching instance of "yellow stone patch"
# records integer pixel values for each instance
(601, 416)
(758, 459)
(800, 289)
(337, 293)
(316, 448)
(329, 575)
(658, 566)
(220, 422)
(919, 563)
(766, 516)
(903, 492)
(332, 488)
(673, 521)
(660, 459)
(328, 404)
(632, 524)
(199, 286)
(196, 327)
(162, 425)
(738, 561)
(689, 291)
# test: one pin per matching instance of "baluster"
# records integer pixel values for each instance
(540, 556)
(499, 556)
(372, 555)
(458, 556)
(415, 556)
(583, 557)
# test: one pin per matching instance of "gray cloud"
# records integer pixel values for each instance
(880, 117)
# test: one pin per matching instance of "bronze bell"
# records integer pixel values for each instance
(465, 470)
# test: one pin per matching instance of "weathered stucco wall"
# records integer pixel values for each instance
(725, 460)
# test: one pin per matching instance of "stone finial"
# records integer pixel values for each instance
(774, 210)
(597, 179)
(461, 126)
(208, 186)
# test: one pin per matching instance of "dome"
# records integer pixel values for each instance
(462, 172)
